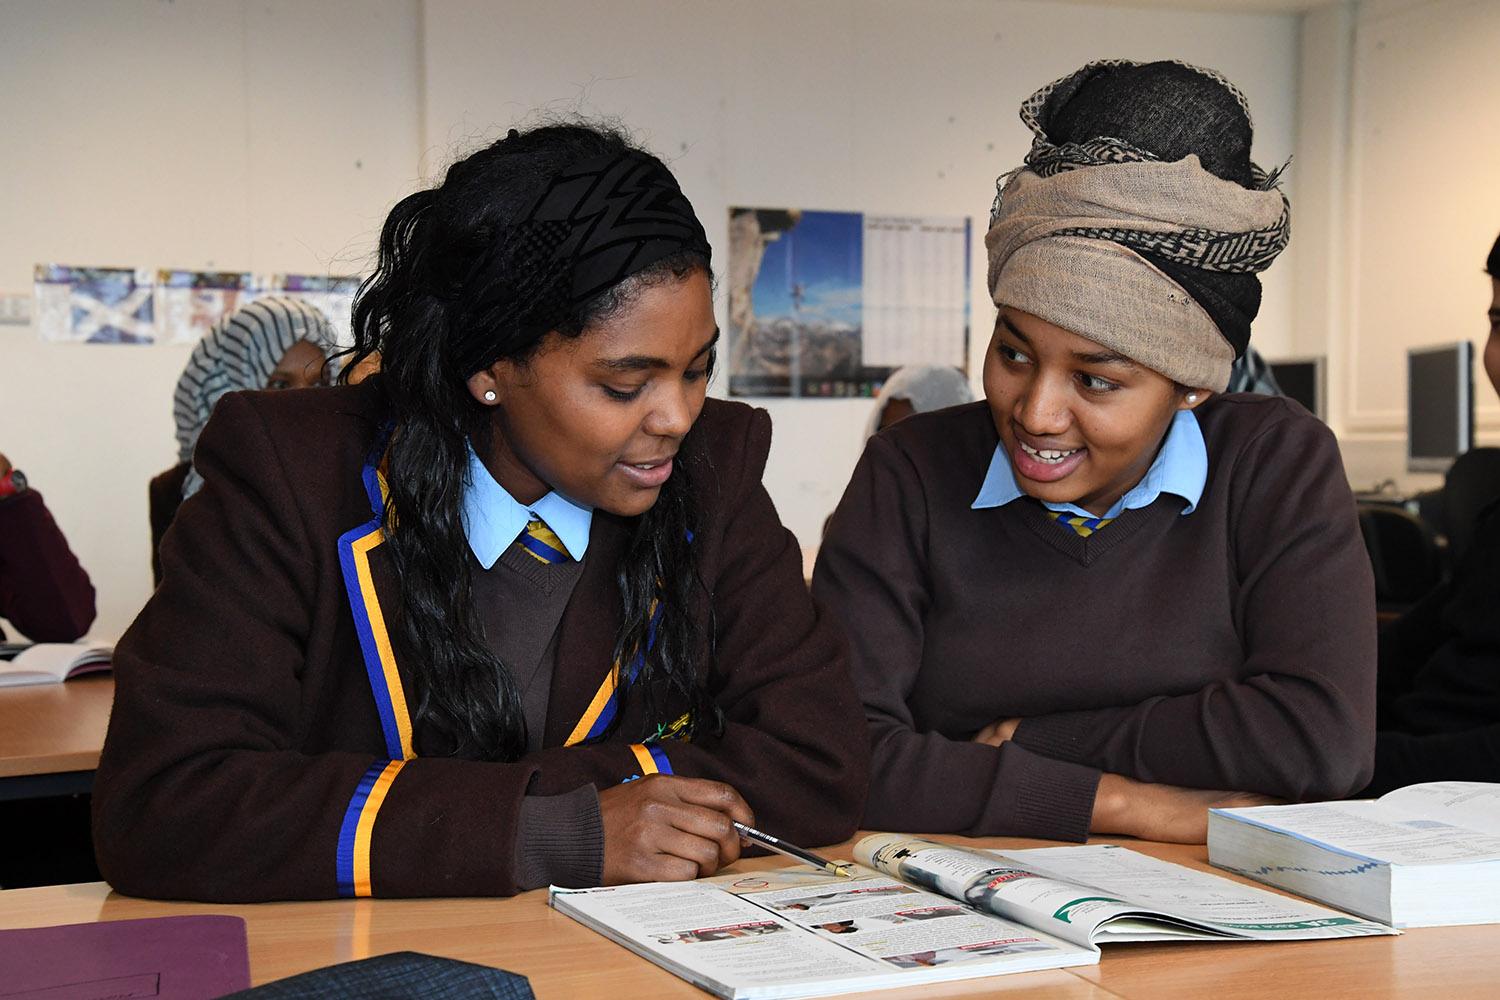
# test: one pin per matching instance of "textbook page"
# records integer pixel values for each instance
(1474, 804)
(1136, 882)
(1372, 829)
(1098, 893)
(794, 933)
(51, 662)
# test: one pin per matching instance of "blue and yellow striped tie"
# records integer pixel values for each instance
(539, 540)
(1084, 526)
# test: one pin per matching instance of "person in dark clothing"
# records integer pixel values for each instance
(517, 610)
(44, 592)
(1111, 595)
(269, 343)
(1438, 697)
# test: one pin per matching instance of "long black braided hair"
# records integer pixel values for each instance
(482, 268)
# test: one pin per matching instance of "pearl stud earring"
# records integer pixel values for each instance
(489, 395)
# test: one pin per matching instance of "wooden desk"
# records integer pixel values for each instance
(51, 735)
(563, 959)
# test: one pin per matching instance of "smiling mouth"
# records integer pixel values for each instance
(1047, 456)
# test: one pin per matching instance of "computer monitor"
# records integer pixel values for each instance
(1303, 379)
(1439, 405)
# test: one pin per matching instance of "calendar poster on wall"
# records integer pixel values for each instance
(828, 304)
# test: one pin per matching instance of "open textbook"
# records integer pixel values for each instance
(1422, 856)
(923, 912)
(51, 662)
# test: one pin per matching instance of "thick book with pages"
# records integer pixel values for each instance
(918, 911)
(1422, 856)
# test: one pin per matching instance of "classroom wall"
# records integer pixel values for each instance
(846, 105)
(269, 135)
(1400, 124)
(274, 134)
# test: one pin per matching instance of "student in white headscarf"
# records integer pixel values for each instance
(271, 343)
(918, 389)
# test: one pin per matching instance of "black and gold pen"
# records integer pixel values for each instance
(792, 851)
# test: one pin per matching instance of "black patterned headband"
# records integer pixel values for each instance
(596, 223)
(616, 215)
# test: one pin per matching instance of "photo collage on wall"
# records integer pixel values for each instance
(116, 305)
(828, 304)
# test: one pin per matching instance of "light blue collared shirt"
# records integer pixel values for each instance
(493, 518)
(1181, 467)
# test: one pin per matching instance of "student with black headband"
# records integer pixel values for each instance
(516, 610)
(1110, 596)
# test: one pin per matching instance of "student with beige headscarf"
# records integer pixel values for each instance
(1109, 596)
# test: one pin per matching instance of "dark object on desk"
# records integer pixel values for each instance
(169, 958)
(404, 975)
(1404, 555)
(1472, 483)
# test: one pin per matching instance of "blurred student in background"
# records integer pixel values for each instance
(44, 592)
(1438, 715)
(271, 343)
(918, 389)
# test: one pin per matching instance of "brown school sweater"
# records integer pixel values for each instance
(248, 756)
(1231, 648)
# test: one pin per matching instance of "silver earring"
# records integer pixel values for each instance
(1192, 397)
(489, 395)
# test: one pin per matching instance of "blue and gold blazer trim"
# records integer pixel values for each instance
(355, 549)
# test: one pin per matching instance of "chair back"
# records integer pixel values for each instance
(1404, 555)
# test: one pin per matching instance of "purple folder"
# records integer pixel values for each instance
(174, 958)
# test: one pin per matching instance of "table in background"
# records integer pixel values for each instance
(564, 959)
(51, 735)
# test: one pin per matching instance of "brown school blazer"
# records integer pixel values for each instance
(256, 752)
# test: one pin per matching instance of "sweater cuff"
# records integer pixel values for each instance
(1042, 797)
(560, 840)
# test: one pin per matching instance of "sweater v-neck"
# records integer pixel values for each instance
(1085, 550)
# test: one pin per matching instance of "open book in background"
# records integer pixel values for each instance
(51, 662)
(1422, 856)
(924, 912)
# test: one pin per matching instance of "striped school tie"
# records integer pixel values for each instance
(1084, 526)
(539, 540)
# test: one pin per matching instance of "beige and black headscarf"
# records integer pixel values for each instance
(1138, 219)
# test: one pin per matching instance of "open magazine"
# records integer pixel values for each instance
(919, 911)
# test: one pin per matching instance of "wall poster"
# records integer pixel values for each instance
(830, 303)
(104, 305)
(191, 302)
(95, 305)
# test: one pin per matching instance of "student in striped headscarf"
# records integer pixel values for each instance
(515, 610)
(270, 343)
(1111, 595)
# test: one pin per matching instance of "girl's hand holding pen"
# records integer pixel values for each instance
(667, 828)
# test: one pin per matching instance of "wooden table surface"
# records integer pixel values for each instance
(563, 959)
(52, 728)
